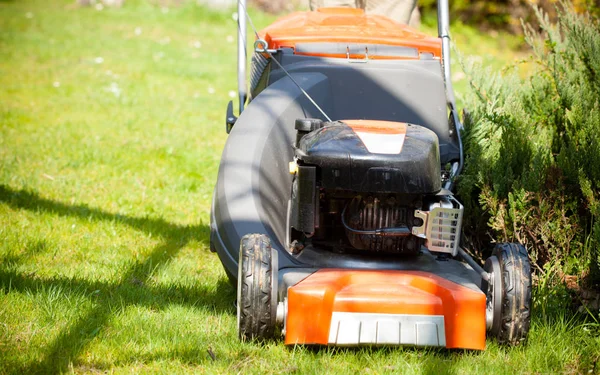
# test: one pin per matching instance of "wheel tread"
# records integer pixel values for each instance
(516, 303)
(255, 320)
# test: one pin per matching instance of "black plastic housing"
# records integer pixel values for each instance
(303, 199)
(304, 126)
(345, 163)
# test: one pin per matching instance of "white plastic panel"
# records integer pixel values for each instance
(386, 329)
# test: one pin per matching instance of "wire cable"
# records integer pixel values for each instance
(265, 50)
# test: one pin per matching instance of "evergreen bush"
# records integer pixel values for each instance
(532, 146)
(504, 13)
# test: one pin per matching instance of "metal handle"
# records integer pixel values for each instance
(444, 34)
(363, 60)
(242, 56)
(261, 46)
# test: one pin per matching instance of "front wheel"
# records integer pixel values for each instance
(508, 293)
(256, 288)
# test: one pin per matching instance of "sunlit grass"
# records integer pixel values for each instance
(111, 129)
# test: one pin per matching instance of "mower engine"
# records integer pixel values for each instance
(370, 186)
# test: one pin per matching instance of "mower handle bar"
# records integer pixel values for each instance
(242, 54)
(443, 13)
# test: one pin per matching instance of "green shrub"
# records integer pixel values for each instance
(532, 145)
(504, 13)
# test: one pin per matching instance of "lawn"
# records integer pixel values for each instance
(111, 129)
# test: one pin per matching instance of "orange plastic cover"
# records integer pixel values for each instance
(346, 25)
(312, 302)
(378, 127)
(383, 137)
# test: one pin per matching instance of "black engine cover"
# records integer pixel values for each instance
(345, 162)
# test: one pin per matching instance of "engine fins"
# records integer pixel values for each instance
(376, 215)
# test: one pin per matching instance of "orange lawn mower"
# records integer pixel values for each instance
(333, 211)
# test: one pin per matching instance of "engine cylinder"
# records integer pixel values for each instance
(371, 223)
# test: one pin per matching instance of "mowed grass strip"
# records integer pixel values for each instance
(111, 129)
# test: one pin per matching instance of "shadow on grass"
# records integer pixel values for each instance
(131, 290)
(22, 199)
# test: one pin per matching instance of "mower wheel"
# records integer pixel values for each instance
(256, 288)
(511, 282)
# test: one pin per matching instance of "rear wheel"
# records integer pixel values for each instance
(508, 293)
(256, 288)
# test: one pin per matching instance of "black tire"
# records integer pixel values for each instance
(511, 324)
(256, 288)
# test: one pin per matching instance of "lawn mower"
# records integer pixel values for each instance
(333, 211)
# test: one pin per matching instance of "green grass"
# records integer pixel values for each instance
(109, 148)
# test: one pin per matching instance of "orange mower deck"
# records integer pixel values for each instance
(350, 307)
